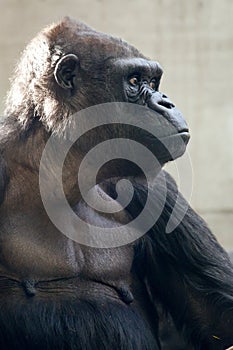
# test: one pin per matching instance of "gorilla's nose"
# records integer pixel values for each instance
(164, 106)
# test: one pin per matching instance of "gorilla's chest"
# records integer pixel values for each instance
(32, 247)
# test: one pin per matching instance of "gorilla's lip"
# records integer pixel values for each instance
(184, 134)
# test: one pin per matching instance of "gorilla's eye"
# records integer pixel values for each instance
(153, 85)
(134, 80)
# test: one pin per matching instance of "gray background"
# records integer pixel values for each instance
(193, 40)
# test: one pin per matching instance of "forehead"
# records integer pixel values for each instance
(105, 52)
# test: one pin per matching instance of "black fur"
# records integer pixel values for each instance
(190, 273)
(72, 324)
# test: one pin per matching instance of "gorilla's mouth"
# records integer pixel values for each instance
(184, 134)
(170, 147)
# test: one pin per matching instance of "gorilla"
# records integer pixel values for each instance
(67, 293)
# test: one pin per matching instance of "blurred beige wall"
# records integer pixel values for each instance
(193, 40)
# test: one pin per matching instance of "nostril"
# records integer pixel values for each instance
(166, 104)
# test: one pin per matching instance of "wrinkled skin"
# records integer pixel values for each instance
(58, 294)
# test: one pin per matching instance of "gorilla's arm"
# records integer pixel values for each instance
(189, 272)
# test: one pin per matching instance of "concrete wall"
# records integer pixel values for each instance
(193, 41)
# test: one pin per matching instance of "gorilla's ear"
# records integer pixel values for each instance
(66, 71)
